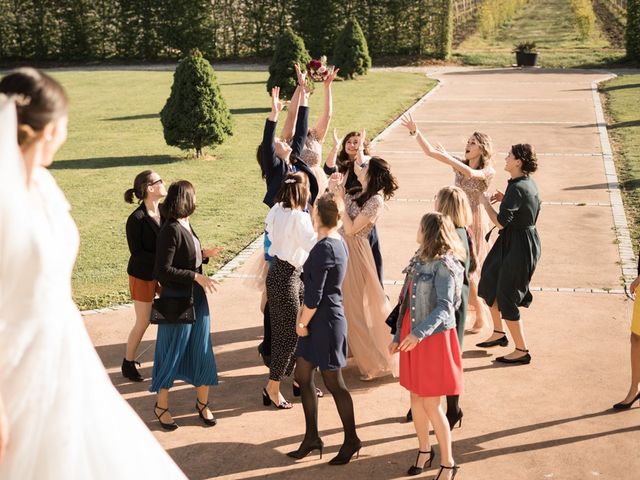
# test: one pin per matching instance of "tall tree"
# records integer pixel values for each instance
(633, 30)
(351, 54)
(195, 115)
(289, 50)
(318, 22)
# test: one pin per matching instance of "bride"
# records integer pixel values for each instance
(60, 416)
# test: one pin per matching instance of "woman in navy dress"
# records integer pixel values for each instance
(322, 328)
(183, 351)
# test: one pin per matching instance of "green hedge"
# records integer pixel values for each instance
(495, 13)
(633, 30)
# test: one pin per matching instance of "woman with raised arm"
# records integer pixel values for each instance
(344, 162)
(365, 303)
(60, 415)
(509, 266)
(142, 230)
(473, 174)
(312, 152)
(277, 159)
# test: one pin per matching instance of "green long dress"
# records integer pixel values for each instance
(510, 263)
(461, 312)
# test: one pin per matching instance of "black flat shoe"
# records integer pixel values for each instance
(130, 371)
(167, 426)
(414, 469)
(626, 406)
(455, 419)
(346, 452)
(208, 421)
(522, 360)
(266, 401)
(503, 341)
(305, 450)
(453, 475)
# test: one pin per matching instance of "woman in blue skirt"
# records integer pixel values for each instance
(183, 351)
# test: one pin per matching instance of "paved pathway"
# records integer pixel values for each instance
(550, 419)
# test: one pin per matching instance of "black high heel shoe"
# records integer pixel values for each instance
(414, 469)
(455, 469)
(266, 401)
(626, 406)
(346, 452)
(503, 341)
(297, 392)
(208, 421)
(455, 420)
(409, 416)
(166, 426)
(523, 360)
(305, 450)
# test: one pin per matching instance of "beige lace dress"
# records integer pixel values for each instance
(365, 303)
(312, 155)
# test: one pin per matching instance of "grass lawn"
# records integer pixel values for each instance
(115, 132)
(549, 23)
(622, 104)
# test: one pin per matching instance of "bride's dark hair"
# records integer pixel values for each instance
(43, 100)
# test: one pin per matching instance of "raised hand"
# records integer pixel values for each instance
(497, 196)
(361, 139)
(335, 181)
(302, 76)
(408, 122)
(333, 73)
(276, 104)
(336, 138)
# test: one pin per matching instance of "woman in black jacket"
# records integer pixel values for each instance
(143, 226)
(183, 351)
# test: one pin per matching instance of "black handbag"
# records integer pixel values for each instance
(392, 319)
(169, 310)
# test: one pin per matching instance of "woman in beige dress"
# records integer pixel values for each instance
(473, 174)
(365, 303)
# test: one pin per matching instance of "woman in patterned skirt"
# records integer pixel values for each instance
(473, 174)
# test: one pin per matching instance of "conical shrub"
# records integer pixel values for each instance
(289, 50)
(351, 54)
(195, 115)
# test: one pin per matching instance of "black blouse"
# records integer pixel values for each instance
(142, 233)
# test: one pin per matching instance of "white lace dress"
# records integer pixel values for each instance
(66, 420)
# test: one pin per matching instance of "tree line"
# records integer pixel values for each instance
(81, 30)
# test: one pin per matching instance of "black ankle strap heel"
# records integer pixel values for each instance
(208, 421)
(455, 469)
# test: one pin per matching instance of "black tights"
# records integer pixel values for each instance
(335, 384)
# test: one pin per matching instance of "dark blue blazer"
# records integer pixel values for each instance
(274, 168)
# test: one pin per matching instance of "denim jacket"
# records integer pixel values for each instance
(435, 294)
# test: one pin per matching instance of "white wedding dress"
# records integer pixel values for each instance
(66, 420)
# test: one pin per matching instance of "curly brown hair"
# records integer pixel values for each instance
(527, 155)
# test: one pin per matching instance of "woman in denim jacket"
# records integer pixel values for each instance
(430, 363)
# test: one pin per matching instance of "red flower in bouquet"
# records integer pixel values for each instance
(317, 69)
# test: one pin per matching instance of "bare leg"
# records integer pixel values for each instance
(443, 434)
(143, 312)
(162, 400)
(478, 306)
(498, 326)
(635, 368)
(516, 329)
(202, 392)
(421, 424)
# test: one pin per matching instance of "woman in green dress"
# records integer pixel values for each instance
(509, 266)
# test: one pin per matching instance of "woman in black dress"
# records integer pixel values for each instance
(509, 266)
(322, 328)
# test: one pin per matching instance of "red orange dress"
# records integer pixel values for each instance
(434, 367)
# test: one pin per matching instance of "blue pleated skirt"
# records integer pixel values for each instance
(184, 352)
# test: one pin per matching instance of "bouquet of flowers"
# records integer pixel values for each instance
(318, 70)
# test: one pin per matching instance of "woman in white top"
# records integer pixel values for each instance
(292, 236)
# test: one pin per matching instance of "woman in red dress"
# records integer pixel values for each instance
(430, 363)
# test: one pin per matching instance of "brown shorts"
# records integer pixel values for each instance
(143, 290)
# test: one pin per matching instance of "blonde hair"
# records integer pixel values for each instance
(453, 202)
(486, 148)
(439, 237)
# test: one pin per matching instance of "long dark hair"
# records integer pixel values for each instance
(140, 184)
(343, 162)
(180, 201)
(44, 101)
(379, 178)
